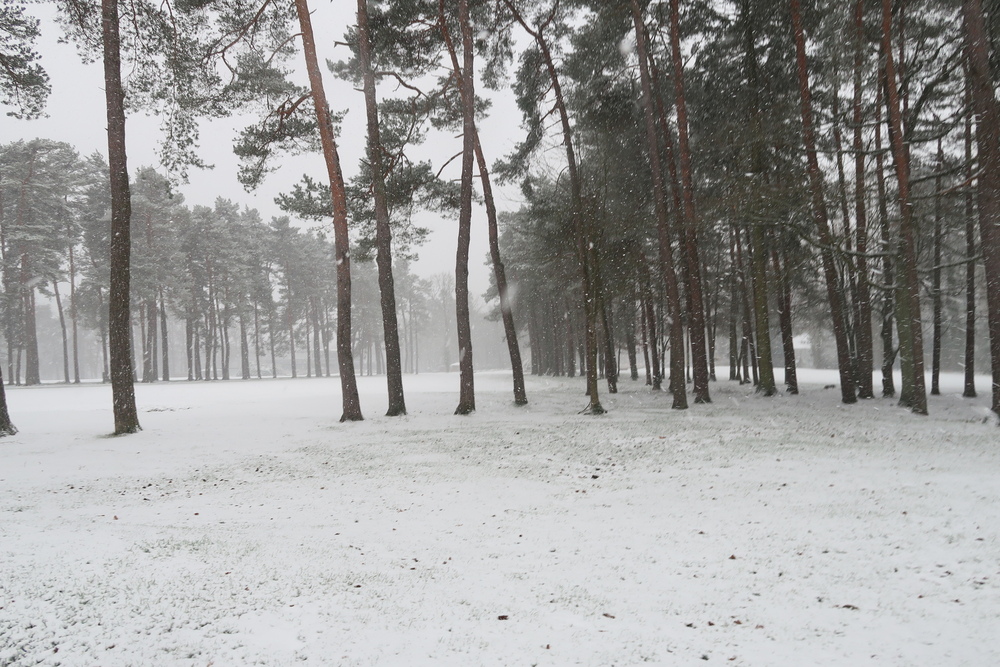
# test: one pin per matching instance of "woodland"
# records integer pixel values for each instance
(703, 181)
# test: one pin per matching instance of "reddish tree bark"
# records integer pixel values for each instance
(383, 233)
(692, 263)
(342, 248)
(987, 111)
(820, 216)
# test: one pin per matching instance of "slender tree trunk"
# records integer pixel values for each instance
(888, 266)
(348, 382)
(189, 345)
(271, 343)
(820, 213)
(667, 270)
(256, 339)
(863, 323)
(629, 314)
(785, 321)
(499, 272)
(244, 347)
(970, 254)
(165, 349)
(583, 233)
(758, 264)
(467, 393)
(910, 315)
(62, 328)
(936, 281)
(32, 371)
(987, 112)
(649, 329)
(692, 263)
(383, 233)
(149, 349)
(73, 316)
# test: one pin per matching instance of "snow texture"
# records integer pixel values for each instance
(246, 526)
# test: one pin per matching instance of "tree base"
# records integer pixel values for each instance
(396, 412)
(351, 418)
(595, 409)
(465, 409)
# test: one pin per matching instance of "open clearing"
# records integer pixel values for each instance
(246, 526)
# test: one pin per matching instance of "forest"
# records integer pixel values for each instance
(703, 183)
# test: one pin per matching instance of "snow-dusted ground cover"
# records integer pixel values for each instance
(245, 526)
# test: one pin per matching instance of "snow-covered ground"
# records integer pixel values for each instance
(246, 526)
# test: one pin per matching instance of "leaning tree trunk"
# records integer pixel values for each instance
(383, 233)
(912, 344)
(987, 111)
(345, 356)
(820, 215)
(581, 229)
(499, 272)
(667, 271)
(119, 319)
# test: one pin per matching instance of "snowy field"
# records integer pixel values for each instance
(246, 526)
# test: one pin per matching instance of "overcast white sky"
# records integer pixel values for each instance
(76, 115)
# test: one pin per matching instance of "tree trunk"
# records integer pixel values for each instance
(987, 111)
(62, 328)
(120, 323)
(692, 263)
(583, 236)
(655, 378)
(499, 272)
(936, 281)
(820, 213)
(911, 344)
(863, 323)
(785, 321)
(383, 233)
(888, 272)
(165, 350)
(149, 349)
(189, 345)
(244, 347)
(32, 374)
(348, 382)
(73, 317)
(467, 393)
(667, 271)
(969, 390)
(758, 263)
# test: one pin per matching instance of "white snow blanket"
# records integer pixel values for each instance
(246, 526)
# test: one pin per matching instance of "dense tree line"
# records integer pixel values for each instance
(767, 168)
